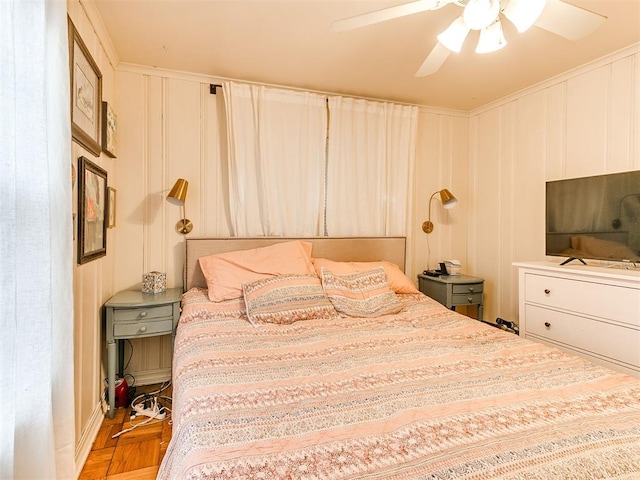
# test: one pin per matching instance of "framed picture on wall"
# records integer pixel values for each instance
(86, 94)
(92, 211)
(109, 128)
(111, 204)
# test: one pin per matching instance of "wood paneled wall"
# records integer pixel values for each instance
(93, 281)
(586, 122)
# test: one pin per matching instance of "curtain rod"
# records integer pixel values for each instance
(213, 88)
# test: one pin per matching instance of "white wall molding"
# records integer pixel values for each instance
(89, 434)
(607, 59)
(200, 78)
(152, 376)
(95, 19)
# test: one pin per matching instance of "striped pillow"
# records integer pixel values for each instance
(361, 294)
(286, 299)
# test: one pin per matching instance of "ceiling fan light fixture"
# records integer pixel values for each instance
(523, 13)
(491, 38)
(479, 14)
(454, 36)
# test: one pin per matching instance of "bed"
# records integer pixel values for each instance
(408, 390)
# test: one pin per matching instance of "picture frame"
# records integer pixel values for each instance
(111, 211)
(86, 94)
(109, 130)
(92, 211)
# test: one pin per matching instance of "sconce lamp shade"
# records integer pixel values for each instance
(447, 198)
(178, 193)
(448, 201)
(178, 196)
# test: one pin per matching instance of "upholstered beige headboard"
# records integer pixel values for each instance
(354, 249)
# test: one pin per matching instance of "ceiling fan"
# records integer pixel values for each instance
(555, 16)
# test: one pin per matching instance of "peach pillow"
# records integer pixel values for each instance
(226, 272)
(397, 280)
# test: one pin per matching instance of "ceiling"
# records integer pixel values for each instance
(289, 43)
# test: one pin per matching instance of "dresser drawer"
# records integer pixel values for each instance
(467, 288)
(141, 329)
(129, 314)
(611, 302)
(601, 338)
(466, 299)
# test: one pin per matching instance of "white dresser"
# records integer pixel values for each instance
(588, 310)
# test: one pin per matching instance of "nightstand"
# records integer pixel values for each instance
(133, 314)
(453, 290)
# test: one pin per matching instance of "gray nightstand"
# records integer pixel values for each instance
(133, 314)
(453, 290)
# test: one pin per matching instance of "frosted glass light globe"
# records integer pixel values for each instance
(479, 14)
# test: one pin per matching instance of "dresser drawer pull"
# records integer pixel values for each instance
(547, 291)
(470, 299)
(547, 324)
(142, 329)
(471, 289)
(143, 314)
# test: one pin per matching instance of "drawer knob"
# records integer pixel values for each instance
(143, 329)
(547, 291)
(470, 299)
(143, 314)
(471, 289)
(547, 324)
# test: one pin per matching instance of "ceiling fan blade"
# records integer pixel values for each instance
(387, 14)
(568, 21)
(434, 61)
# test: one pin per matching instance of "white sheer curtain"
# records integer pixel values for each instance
(276, 160)
(371, 158)
(36, 276)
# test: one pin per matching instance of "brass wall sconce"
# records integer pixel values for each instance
(448, 201)
(178, 196)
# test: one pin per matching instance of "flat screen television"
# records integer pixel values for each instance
(594, 217)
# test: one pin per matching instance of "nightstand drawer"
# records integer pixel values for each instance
(128, 314)
(141, 329)
(454, 290)
(468, 288)
(466, 299)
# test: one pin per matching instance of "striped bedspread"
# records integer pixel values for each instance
(426, 393)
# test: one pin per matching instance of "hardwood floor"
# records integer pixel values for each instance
(134, 455)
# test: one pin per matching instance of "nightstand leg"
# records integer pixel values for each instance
(120, 358)
(480, 311)
(111, 377)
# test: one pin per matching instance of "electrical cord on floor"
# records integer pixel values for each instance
(150, 404)
(162, 388)
(155, 410)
